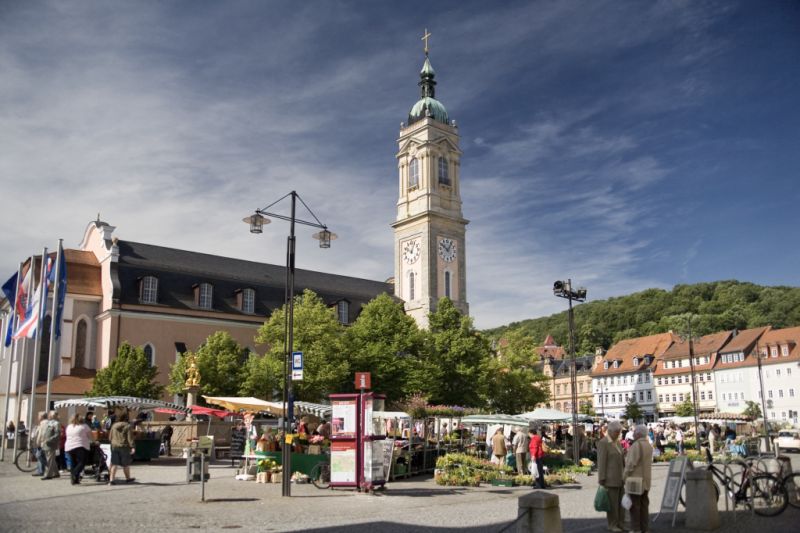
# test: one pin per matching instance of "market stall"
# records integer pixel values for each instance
(147, 443)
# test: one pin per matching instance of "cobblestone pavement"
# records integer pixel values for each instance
(160, 500)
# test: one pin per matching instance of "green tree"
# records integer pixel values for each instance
(220, 360)
(513, 390)
(752, 409)
(386, 342)
(633, 411)
(262, 377)
(685, 408)
(458, 352)
(587, 409)
(518, 349)
(319, 335)
(129, 374)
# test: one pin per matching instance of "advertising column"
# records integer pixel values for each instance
(344, 440)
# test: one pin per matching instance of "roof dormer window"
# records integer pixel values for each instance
(246, 300)
(635, 361)
(605, 365)
(343, 311)
(204, 295)
(148, 290)
(616, 364)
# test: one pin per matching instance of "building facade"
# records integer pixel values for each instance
(779, 351)
(625, 372)
(735, 375)
(673, 373)
(429, 231)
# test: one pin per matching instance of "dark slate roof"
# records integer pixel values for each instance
(583, 363)
(178, 271)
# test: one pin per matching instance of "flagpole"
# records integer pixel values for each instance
(22, 358)
(54, 317)
(10, 359)
(37, 340)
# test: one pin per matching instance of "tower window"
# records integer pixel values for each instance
(205, 295)
(444, 177)
(411, 286)
(343, 311)
(149, 290)
(248, 300)
(447, 284)
(413, 174)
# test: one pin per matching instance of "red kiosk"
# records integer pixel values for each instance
(357, 448)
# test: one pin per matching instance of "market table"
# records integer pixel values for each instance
(301, 462)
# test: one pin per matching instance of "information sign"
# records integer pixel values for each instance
(297, 366)
(672, 489)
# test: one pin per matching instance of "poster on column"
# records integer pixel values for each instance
(343, 462)
(343, 418)
(373, 461)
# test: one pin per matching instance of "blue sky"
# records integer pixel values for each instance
(624, 144)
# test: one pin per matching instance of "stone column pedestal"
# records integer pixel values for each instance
(191, 395)
(701, 501)
(543, 514)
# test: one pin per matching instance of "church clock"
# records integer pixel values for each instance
(411, 251)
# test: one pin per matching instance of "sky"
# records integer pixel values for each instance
(622, 144)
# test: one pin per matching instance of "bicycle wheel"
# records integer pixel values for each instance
(767, 494)
(792, 485)
(321, 476)
(26, 461)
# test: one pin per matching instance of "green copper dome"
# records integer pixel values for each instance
(427, 105)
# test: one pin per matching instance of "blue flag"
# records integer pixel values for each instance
(62, 288)
(10, 290)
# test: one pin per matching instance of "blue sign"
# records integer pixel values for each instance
(297, 360)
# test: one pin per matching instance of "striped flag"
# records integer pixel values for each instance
(27, 327)
(10, 290)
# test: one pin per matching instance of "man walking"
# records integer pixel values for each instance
(122, 449)
(50, 439)
(521, 443)
(36, 435)
(610, 465)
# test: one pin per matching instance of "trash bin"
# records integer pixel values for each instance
(194, 472)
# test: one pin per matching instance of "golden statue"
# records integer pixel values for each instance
(192, 373)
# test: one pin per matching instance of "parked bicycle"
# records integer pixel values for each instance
(26, 460)
(766, 494)
(321, 475)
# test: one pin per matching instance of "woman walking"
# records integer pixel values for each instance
(639, 464)
(77, 446)
(610, 465)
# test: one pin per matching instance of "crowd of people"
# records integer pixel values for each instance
(66, 448)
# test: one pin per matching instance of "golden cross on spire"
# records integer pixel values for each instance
(425, 38)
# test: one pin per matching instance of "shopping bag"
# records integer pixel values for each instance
(601, 501)
(533, 470)
(627, 503)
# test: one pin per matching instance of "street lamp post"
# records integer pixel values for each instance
(563, 289)
(256, 222)
(763, 400)
(694, 383)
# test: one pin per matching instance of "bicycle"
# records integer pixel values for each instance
(26, 460)
(321, 475)
(764, 493)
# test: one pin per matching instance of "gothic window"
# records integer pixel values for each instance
(447, 284)
(411, 286)
(413, 174)
(149, 290)
(343, 311)
(444, 178)
(81, 338)
(149, 354)
(248, 300)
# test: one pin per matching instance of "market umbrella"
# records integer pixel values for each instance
(248, 403)
(509, 420)
(219, 413)
(543, 414)
(128, 402)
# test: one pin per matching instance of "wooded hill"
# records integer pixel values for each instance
(717, 306)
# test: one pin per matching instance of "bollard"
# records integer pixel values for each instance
(543, 513)
(202, 477)
(701, 501)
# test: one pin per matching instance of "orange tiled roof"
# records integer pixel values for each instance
(75, 384)
(744, 340)
(779, 338)
(705, 345)
(550, 349)
(625, 351)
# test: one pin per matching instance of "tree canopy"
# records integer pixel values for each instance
(718, 306)
(129, 374)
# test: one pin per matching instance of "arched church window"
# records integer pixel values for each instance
(81, 334)
(411, 286)
(447, 284)
(444, 177)
(413, 174)
(149, 354)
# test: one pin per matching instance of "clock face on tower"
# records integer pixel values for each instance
(447, 249)
(411, 251)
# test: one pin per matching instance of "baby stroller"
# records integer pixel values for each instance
(96, 465)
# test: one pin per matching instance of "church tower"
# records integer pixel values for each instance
(430, 260)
